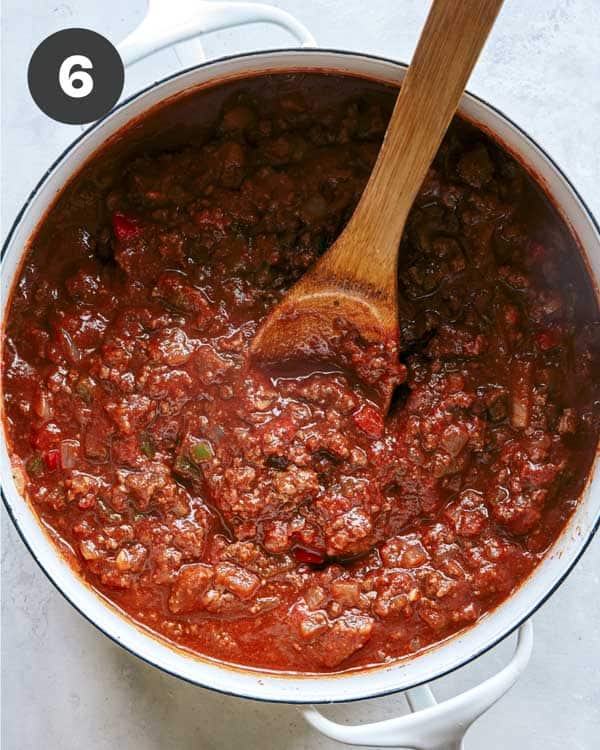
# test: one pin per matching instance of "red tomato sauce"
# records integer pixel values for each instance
(286, 523)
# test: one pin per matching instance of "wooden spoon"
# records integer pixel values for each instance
(351, 291)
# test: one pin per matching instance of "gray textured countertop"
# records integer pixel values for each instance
(65, 685)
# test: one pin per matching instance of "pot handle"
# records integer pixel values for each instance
(432, 725)
(168, 22)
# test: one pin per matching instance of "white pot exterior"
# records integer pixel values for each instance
(402, 675)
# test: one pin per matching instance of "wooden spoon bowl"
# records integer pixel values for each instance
(352, 289)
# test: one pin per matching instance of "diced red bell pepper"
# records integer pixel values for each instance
(125, 227)
(369, 420)
(52, 459)
(311, 556)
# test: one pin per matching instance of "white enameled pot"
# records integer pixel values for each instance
(433, 726)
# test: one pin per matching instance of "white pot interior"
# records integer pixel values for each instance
(269, 686)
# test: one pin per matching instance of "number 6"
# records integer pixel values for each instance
(66, 78)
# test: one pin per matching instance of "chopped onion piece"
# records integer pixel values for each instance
(41, 405)
(70, 346)
(69, 453)
(521, 394)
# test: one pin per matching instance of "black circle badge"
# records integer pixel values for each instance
(75, 76)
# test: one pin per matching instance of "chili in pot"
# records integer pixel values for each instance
(286, 523)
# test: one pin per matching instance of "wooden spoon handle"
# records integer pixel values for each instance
(450, 43)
